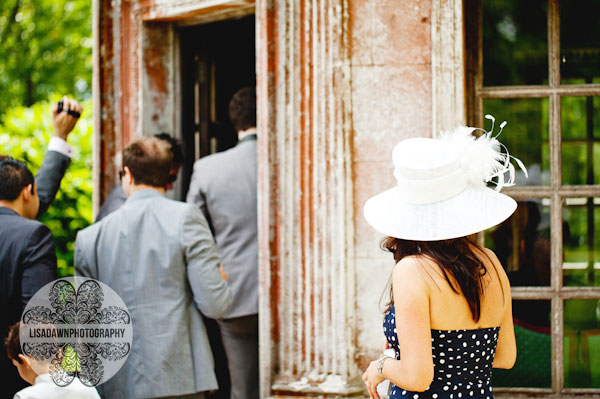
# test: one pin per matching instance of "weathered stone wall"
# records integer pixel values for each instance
(339, 83)
(391, 101)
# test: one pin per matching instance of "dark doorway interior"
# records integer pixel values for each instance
(217, 59)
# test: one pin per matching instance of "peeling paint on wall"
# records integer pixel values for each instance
(339, 83)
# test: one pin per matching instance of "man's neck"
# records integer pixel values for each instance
(13, 205)
(139, 187)
(247, 132)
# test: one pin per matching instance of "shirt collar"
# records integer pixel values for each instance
(144, 193)
(247, 135)
(247, 138)
(7, 211)
(42, 378)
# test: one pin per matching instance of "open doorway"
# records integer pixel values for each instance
(217, 59)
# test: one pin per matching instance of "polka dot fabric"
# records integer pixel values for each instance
(462, 362)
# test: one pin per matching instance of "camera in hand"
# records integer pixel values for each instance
(74, 114)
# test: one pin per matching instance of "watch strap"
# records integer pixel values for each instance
(380, 365)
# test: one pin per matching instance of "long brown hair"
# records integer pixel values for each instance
(455, 257)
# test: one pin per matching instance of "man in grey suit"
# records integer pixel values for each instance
(223, 186)
(159, 256)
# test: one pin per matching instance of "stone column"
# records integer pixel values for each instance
(447, 65)
(307, 305)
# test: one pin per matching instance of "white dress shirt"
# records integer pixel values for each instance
(44, 388)
(60, 145)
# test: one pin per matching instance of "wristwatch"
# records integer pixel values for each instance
(380, 365)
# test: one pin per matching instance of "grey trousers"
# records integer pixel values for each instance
(240, 339)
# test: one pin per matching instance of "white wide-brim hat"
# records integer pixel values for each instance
(441, 190)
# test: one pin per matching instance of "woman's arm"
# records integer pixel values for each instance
(506, 348)
(414, 372)
(413, 327)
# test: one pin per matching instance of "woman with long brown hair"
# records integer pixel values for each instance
(449, 319)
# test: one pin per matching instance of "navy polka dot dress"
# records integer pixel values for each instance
(462, 362)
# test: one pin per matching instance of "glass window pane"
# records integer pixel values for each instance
(580, 41)
(526, 134)
(522, 243)
(580, 140)
(581, 241)
(515, 42)
(582, 334)
(533, 367)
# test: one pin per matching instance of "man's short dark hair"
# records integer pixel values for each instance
(13, 343)
(14, 176)
(149, 159)
(175, 147)
(242, 109)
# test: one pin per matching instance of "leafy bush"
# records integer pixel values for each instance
(24, 134)
(46, 48)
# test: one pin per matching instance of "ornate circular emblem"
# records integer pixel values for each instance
(76, 328)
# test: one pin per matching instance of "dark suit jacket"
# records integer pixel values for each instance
(47, 179)
(114, 201)
(27, 261)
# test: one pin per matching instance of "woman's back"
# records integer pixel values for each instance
(462, 361)
(449, 310)
(462, 349)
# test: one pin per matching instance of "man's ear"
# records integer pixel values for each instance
(128, 176)
(28, 192)
(24, 360)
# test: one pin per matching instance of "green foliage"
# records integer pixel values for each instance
(580, 123)
(46, 53)
(515, 42)
(24, 134)
(46, 49)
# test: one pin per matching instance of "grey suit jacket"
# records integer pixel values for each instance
(223, 185)
(159, 256)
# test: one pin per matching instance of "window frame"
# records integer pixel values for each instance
(476, 92)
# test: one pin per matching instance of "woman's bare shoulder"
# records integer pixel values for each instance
(495, 263)
(414, 269)
(413, 263)
(489, 253)
(491, 257)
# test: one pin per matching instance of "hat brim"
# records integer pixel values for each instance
(473, 210)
